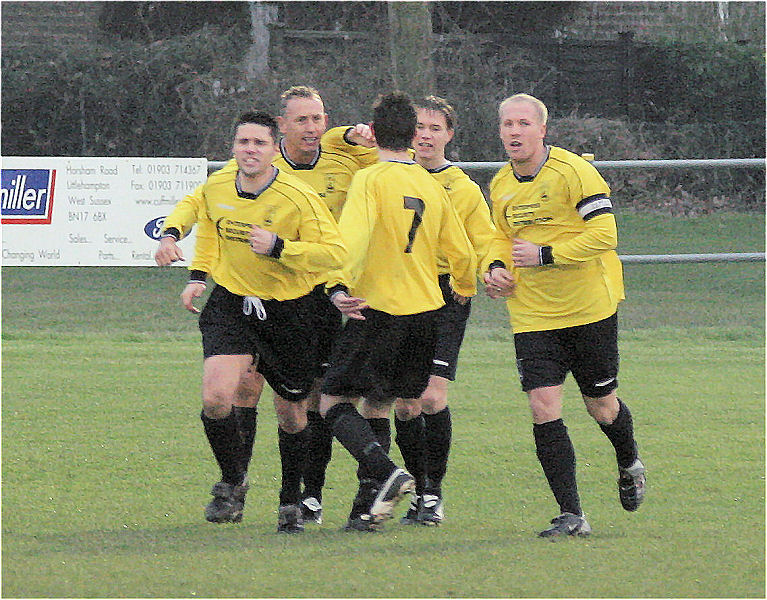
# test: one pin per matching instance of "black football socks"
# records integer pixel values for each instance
(247, 418)
(557, 457)
(355, 434)
(320, 441)
(293, 448)
(224, 440)
(382, 430)
(438, 435)
(621, 434)
(410, 440)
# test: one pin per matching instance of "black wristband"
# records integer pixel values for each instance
(171, 232)
(347, 140)
(197, 276)
(339, 287)
(547, 258)
(279, 244)
(496, 263)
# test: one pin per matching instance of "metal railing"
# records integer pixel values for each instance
(692, 258)
(710, 163)
(682, 163)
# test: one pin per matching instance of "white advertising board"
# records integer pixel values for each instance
(66, 211)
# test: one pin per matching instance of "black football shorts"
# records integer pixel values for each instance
(589, 352)
(383, 357)
(451, 327)
(280, 332)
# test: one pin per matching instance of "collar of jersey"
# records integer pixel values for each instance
(404, 162)
(440, 169)
(528, 178)
(253, 196)
(299, 166)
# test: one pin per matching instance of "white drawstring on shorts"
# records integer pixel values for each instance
(249, 303)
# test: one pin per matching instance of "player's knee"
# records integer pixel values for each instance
(248, 396)
(407, 409)
(216, 405)
(291, 425)
(603, 410)
(434, 400)
(545, 404)
(291, 416)
(249, 388)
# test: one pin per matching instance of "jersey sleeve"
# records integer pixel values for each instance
(476, 219)
(190, 210)
(333, 139)
(319, 248)
(590, 197)
(499, 246)
(599, 236)
(206, 250)
(184, 214)
(455, 245)
(356, 225)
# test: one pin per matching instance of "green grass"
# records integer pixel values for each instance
(105, 468)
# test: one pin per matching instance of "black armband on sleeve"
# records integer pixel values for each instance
(545, 253)
(279, 244)
(339, 287)
(171, 232)
(496, 263)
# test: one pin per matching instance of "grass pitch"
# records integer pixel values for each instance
(106, 470)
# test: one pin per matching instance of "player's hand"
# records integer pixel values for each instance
(167, 252)
(349, 305)
(525, 254)
(191, 291)
(261, 240)
(462, 300)
(499, 283)
(362, 135)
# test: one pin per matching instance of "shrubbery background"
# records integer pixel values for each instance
(179, 96)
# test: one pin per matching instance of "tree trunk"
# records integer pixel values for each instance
(410, 46)
(257, 57)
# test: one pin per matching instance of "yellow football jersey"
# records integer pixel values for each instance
(470, 204)
(566, 205)
(287, 207)
(397, 219)
(331, 173)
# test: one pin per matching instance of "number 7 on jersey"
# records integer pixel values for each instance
(417, 205)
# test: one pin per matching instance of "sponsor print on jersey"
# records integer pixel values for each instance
(27, 196)
(234, 231)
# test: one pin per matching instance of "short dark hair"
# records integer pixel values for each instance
(437, 104)
(259, 117)
(394, 121)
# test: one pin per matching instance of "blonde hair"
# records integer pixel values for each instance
(540, 107)
(298, 91)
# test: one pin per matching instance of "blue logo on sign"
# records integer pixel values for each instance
(154, 227)
(27, 195)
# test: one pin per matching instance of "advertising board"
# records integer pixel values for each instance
(68, 211)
